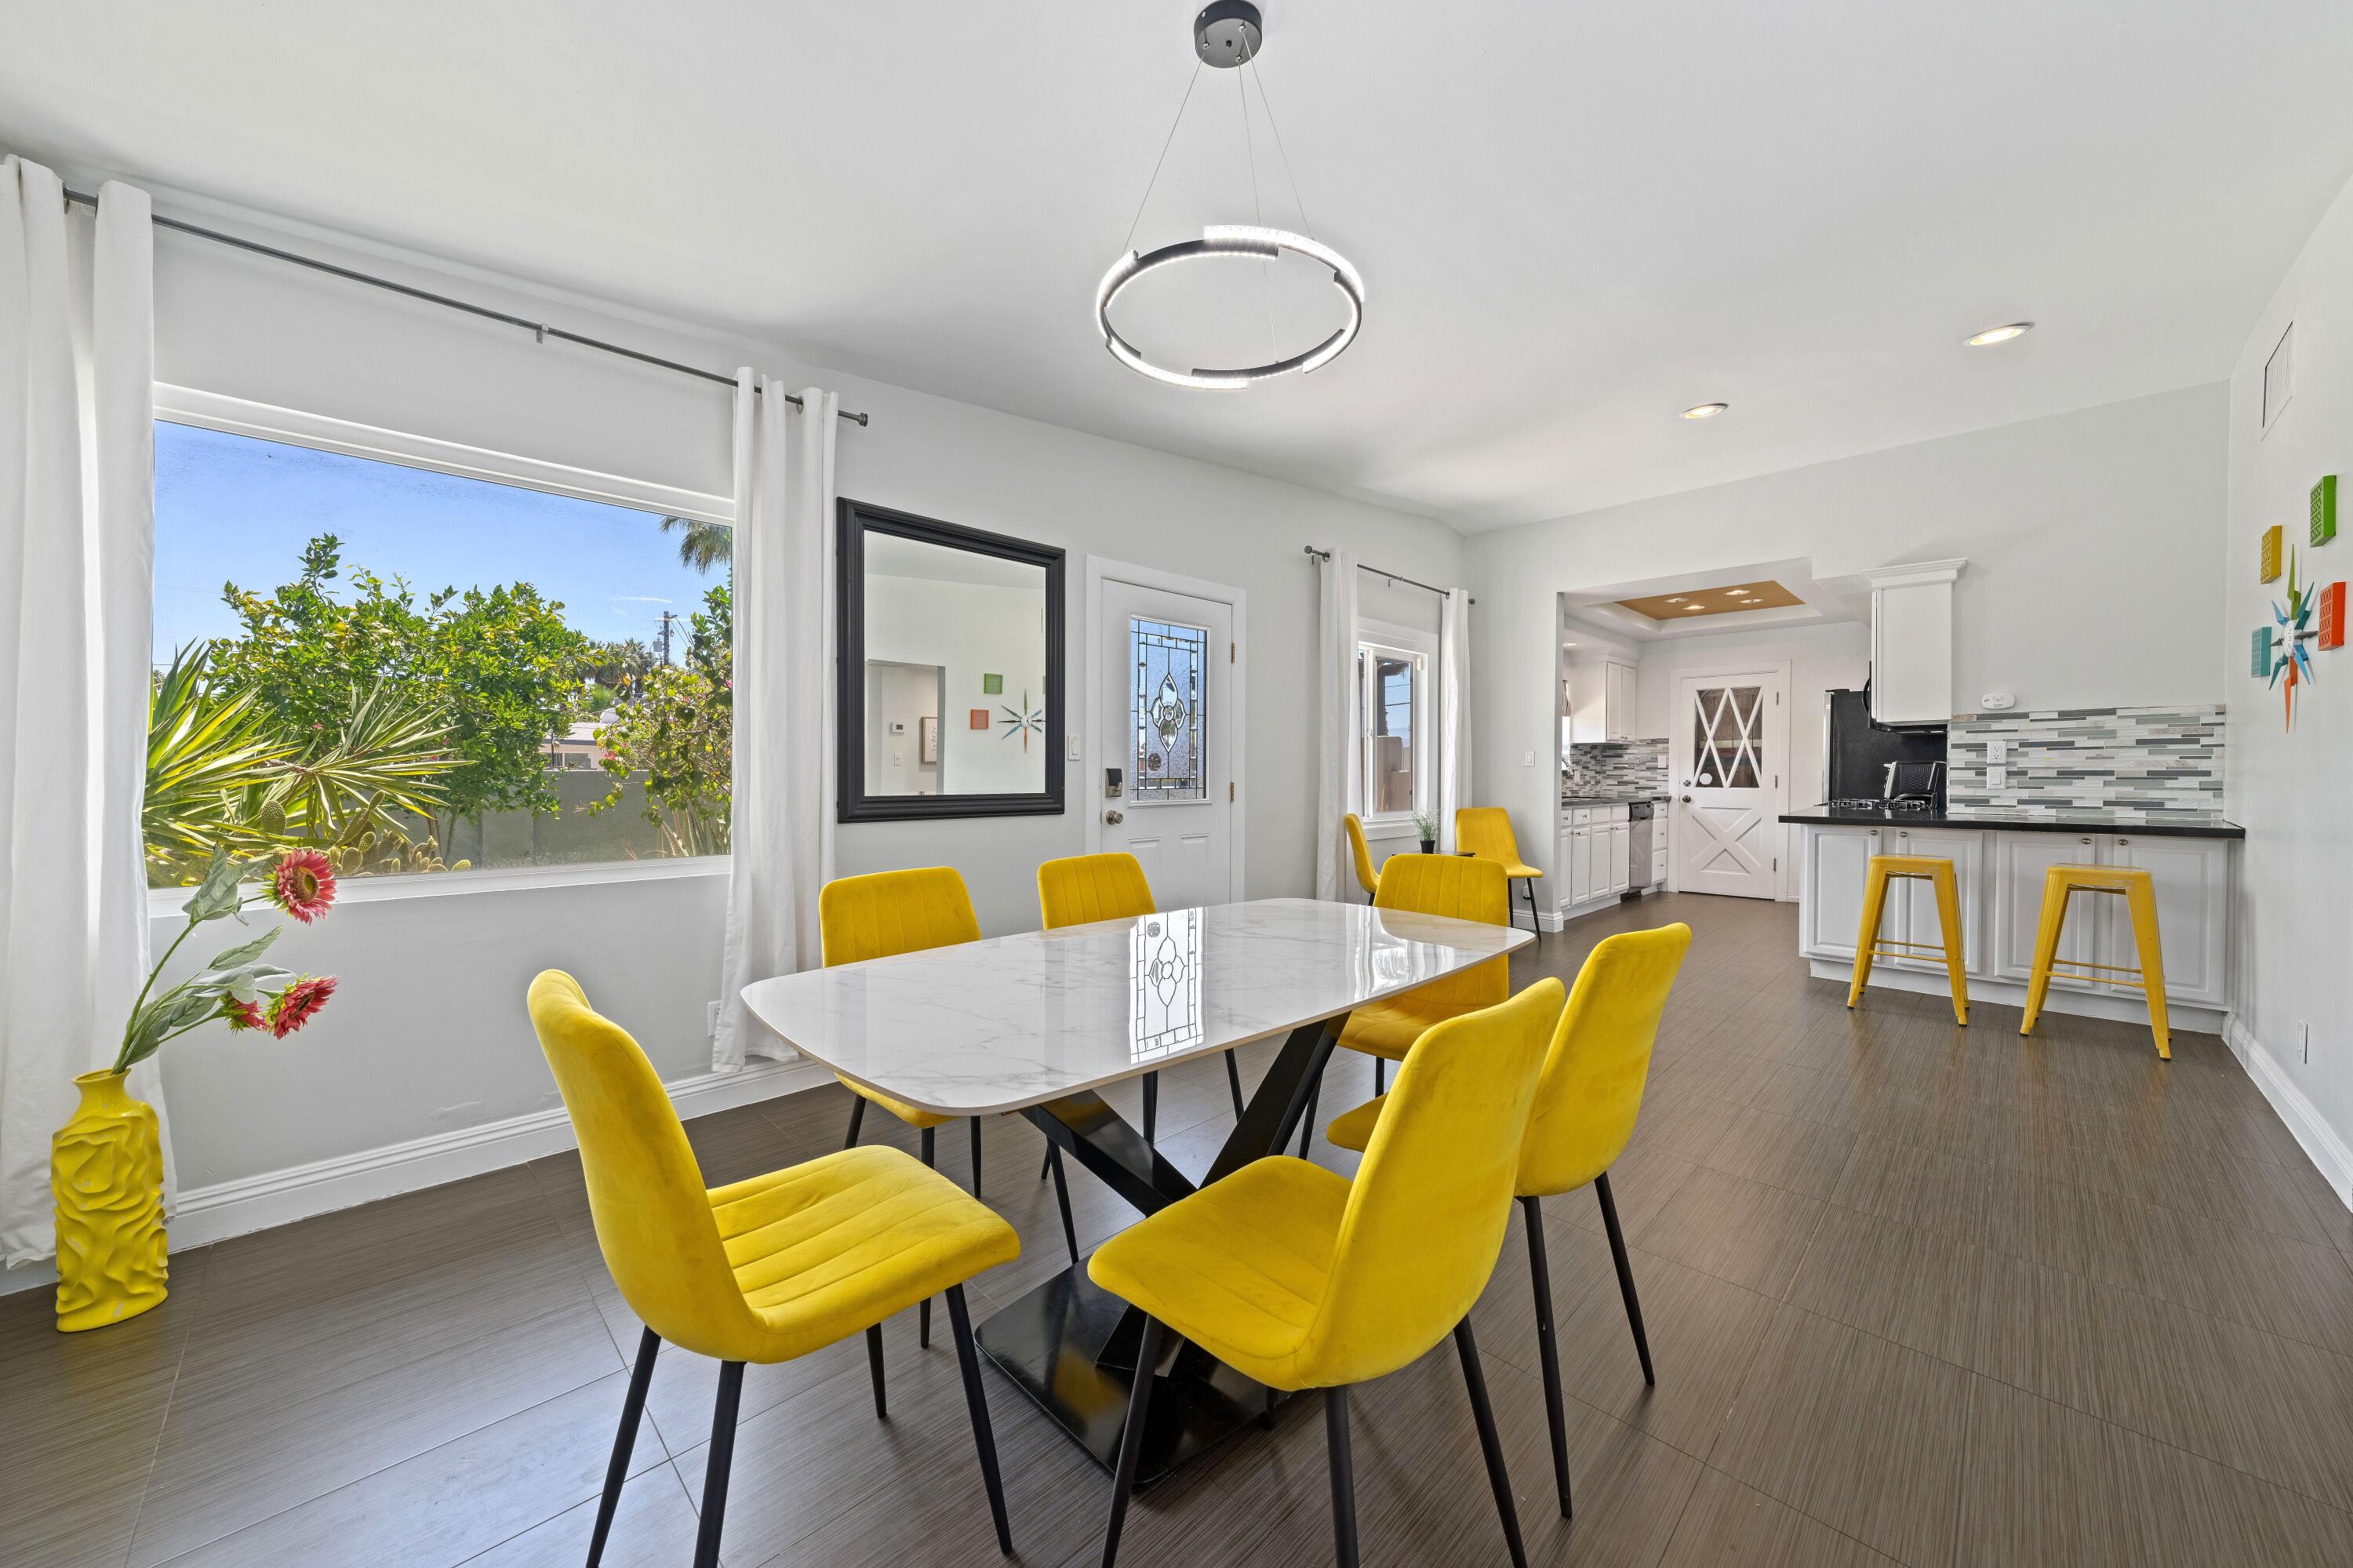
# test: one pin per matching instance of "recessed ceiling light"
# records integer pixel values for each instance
(1674, 598)
(1993, 335)
(1705, 411)
(1694, 609)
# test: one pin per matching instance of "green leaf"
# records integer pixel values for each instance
(245, 952)
(218, 894)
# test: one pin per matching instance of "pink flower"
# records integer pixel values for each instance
(304, 885)
(299, 1003)
(243, 1015)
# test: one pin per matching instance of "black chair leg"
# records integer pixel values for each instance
(931, 1146)
(976, 1401)
(1151, 1105)
(1130, 1436)
(633, 1406)
(874, 1366)
(1529, 882)
(976, 1157)
(857, 1119)
(1548, 1350)
(722, 1460)
(1625, 1274)
(1474, 1379)
(1063, 1197)
(1380, 1074)
(1344, 1475)
(1234, 1083)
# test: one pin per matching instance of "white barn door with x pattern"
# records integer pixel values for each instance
(1728, 740)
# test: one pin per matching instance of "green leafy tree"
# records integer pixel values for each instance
(498, 668)
(679, 733)
(701, 545)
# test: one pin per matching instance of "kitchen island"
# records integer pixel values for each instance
(1998, 858)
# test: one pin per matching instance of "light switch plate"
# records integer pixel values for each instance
(1074, 743)
(1997, 778)
(1527, 759)
(711, 1021)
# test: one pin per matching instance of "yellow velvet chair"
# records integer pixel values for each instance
(1447, 884)
(1361, 853)
(1084, 888)
(1300, 1279)
(892, 912)
(764, 1270)
(1485, 832)
(1587, 1100)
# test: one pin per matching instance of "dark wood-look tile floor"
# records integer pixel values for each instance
(1918, 1295)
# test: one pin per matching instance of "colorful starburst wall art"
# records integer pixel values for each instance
(1024, 721)
(2283, 651)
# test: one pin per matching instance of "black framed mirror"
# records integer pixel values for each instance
(948, 670)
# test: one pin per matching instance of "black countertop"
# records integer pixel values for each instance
(1630, 799)
(2153, 824)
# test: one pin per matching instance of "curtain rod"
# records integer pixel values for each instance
(544, 331)
(1393, 576)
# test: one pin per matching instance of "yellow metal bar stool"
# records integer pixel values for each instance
(1937, 872)
(2134, 883)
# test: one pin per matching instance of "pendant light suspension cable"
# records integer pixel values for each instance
(1129, 243)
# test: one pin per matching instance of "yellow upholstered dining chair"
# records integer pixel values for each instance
(1300, 1279)
(764, 1270)
(1485, 832)
(877, 916)
(1447, 884)
(1088, 887)
(1361, 853)
(1587, 1100)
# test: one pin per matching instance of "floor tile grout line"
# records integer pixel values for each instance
(147, 1478)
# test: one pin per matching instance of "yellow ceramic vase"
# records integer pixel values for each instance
(106, 1170)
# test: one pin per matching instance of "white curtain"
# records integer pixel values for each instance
(781, 838)
(76, 553)
(1335, 725)
(1453, 712)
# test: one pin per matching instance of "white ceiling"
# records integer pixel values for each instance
(1573, 220)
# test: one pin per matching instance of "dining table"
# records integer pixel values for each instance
(1040, 1022)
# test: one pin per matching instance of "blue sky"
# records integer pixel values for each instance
(237, 509)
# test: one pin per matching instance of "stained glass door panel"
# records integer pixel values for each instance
(1168, 711)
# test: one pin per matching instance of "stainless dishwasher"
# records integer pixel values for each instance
(1638, 850)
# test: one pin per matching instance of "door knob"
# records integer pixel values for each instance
(1114, 818)
(1686, 799)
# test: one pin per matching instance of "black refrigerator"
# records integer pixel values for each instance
(1858, 751)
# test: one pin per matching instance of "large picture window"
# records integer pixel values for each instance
(415, 672)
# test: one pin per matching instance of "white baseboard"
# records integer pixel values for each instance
(2189, 1017)
(250, 1204)
(2319, 1141)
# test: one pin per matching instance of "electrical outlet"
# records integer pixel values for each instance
(1997, 778)
(1997, 751)
(711, 1021)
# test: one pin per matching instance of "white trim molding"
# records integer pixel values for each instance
(206, 1214)
(2328, 1152)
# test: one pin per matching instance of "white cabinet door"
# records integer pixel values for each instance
(2192, 881)
(1580, 864)
(1835, 860)
(1619, 688)
(1622, 846)
(1911, 914)
(2020, 859)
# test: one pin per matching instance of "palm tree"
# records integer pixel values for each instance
(702, 544)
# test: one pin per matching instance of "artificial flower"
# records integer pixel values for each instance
(243, 1015)
(299, 1003)
(304, 885)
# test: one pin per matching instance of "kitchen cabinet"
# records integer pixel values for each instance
(1601, 701)
(1912, 641)
(1596, 843)
(1621, 844)
(1580, 864)
(2000, 874)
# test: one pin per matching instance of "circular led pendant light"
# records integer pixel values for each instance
(1227, 36)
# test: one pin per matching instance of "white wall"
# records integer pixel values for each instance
(2091, 539)
(428, 1035)
(905, 695)
(2291, 965)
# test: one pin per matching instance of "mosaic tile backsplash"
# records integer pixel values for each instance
(2126, 760)
(1616, 767)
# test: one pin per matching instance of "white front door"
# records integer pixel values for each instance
(1167, 723)
(1727, 737)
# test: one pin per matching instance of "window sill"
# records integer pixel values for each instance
(164, 902)
(1391, 827)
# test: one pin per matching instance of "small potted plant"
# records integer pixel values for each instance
(106, 1165)
(1425, 826)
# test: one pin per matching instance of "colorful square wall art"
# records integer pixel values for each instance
(2261, 670)
(2272, 551)
(992, 685)
(2323, 508)
(980, 715)
(2332, 616)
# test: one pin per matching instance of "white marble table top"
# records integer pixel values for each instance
(1011, 1022)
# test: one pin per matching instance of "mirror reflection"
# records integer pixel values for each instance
(956, 661)
(1164, 955)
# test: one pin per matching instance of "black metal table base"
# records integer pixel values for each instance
(1071, 1346)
